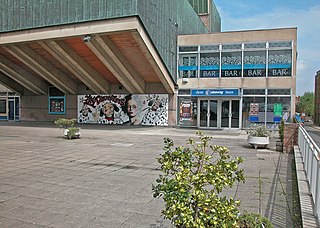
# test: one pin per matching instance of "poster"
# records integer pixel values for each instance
(131, 109)
(186, 110)
(254, 109)
(277, 109)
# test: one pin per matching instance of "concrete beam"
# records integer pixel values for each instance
(45, 69)
(11, 84)
(112, 58)
(75, 64)
(23, 77)
(151, 54)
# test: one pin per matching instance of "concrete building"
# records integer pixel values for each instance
(232, 79)
(143, 62)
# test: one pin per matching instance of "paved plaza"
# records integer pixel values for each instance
(104, 179)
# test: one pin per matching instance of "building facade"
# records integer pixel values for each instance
(234, 79)
(143, 63)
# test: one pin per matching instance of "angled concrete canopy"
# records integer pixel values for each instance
(119, 52)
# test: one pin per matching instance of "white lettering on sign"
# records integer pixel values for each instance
(217, 92)
(208, 73)
(231, 73)
(229, 92)
(280, 72)
(254, 73)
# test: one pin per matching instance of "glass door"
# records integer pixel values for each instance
(230, 112)
(225, 113)
(235, 107)
(213, 117)
(204, 109)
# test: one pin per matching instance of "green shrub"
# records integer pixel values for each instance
(191, 182)
(253, 221)
(73, 132)
(281, 130)
(258, 131)
(65, 123)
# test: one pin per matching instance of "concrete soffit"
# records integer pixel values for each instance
(50, 39)
(75, 64)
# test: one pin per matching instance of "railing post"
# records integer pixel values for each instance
(317, 192)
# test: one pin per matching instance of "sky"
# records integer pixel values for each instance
(257, 14)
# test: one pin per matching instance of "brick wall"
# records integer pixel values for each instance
(290, 137)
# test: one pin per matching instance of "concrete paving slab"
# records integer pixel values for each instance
(104, 179)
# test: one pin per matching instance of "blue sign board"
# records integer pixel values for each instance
(215, 92)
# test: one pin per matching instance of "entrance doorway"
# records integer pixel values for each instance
(219, 113)
(13, 108)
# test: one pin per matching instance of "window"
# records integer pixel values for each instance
(254, 91)
(57, 105)
(254, 64)
(279, 91)
(231, 64)
(188, 49)
(209, 65)
(280, 63)
(3, 106)
(188, 66)
(253, 111)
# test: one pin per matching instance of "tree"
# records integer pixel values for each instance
(306, 104)
(192, 181)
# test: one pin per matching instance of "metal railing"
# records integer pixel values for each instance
(311, 162)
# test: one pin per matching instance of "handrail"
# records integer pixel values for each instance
(311, 163)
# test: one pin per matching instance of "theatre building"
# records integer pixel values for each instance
(141, 62)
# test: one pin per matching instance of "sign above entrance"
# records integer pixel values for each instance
(215, 92)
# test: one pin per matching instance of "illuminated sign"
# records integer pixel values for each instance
(215, 92)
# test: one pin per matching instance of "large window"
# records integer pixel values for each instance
(209, 65)
(266, 106)
(279, 63)
(253, 111)
(3, 106)
(254, 64)
(188, 66)
(260, 59)
(231, 64)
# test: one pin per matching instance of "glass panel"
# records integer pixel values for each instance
(254, 92)
(210, 48)
(280, 63)
(188, 66)
(203, 113)
(253, 111)
(254, 64)
(184, 92)
(3, 106)
(213, 113)
(225, 114)
(279, 91)
(235, 114)
(278, 108)
(17, 108)
(188, 49)
(231, 46)
(209, 65)
(11, 110)
(231, 64)
(280, 44)
(188, 111)
(254, 45)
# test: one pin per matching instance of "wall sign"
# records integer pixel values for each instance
(57, 105)
(215, 92)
